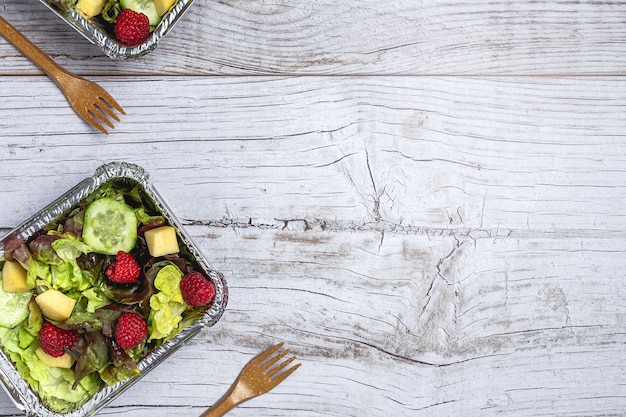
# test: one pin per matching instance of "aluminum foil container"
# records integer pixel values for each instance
(17, 388)
(97, 33)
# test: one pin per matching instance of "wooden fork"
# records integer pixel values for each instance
(89, 100)
(259, 376)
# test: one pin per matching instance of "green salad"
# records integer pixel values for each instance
(94, 292)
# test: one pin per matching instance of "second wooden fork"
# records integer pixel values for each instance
(263, 373)
(88, 99)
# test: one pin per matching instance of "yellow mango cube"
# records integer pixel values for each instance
(163, 6)
(55, 305)
(14, 277)
(64, 361)
(161, 241)
(89, 8)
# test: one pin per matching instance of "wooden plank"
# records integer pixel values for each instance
(407, 325)
(469, 156)
(412, 325)
(365, 37)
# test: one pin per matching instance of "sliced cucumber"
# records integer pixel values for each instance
(14, 307)
(146, 7)
(109, 226)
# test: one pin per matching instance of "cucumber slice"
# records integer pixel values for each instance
(146, 7)
(109, 226)
(14, 307)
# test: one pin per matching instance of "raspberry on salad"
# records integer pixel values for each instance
(53, 340)
(124, 270)
(197, 290)
(131, 329)
(132, 28)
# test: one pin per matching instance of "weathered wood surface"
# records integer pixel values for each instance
(424, 200)
(354, 37)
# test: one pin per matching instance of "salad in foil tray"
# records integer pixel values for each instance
(128, 21)
(122, 29)
(86, 298)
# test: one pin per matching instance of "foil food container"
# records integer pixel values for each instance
(15, 386)
(100, 33)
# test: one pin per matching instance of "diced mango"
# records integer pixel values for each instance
(163, 6)
(55, 305)
(64, 361)
(161, 241)
(14, 277)
(90, 8)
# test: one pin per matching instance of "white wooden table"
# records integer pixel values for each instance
(425, 199)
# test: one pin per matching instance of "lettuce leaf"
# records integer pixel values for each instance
(167, 303)
(67, 275)
(147, 219)
(35, 319)
(93, 356)
(122, 366)
(42, 250)
(95, 299)
(54, 385)
(15, 306)
(69, 249)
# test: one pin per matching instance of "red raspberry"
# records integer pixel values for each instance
(132, 28)
(124, 270)
(196, 289)
(53, 340)
(131, 329)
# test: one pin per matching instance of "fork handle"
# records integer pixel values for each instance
(222, 406)
(31, 51)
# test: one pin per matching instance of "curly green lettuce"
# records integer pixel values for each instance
(167, 303)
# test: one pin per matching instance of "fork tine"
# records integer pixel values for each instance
(272, 360)
(269, 352)
(108, 99)
(104, 106)
(97, 112)
(274, 371)
(281, 377)
(92, 121)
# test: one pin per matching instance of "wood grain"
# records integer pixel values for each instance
(460, 153)
(367, 37)
(420, 324)
(424, 199)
